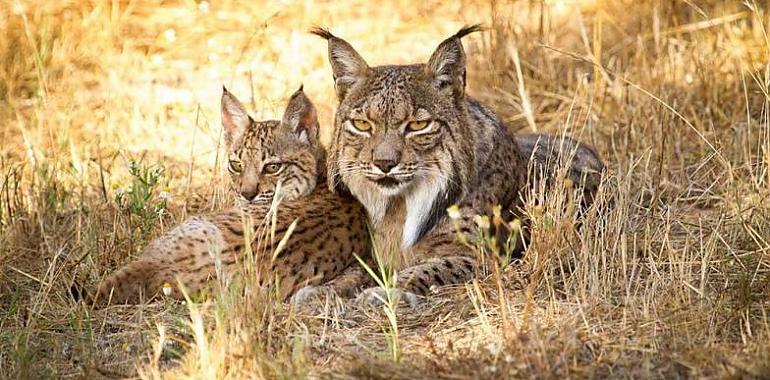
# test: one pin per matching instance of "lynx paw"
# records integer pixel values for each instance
(310, 293)
(378, 296)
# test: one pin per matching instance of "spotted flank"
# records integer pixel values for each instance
(269, 161)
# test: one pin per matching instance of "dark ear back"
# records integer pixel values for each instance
(446, 67)
(347, 65)
(301, 117)
(235, 119)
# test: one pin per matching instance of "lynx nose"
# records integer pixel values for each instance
(387, 154)
(249, 194)
(385, 165)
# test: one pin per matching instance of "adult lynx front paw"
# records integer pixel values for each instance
(377, 296)
(310, 294)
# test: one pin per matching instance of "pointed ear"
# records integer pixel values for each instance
(235, 119)
(301, 117)
(347, 65)
(446, 67)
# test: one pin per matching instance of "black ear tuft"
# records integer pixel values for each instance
(446, 66)
(322, 32)
(468, 29)
(348, 67)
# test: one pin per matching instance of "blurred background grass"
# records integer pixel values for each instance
(674, 283)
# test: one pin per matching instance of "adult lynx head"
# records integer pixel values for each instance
(264, 154)
(400, 130)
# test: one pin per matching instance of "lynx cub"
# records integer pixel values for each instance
(408, 143)
(264, 158)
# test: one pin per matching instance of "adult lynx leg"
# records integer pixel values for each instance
(416, 281)
(437, 271)
(458, 266)
(443, 259)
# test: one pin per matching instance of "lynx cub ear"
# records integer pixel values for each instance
(235, 119)
(301, 118)
(347, 65)
(446, 67)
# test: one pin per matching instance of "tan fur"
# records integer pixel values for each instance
(330, 228)
(547, 154)
(408, 143)
(291, 145)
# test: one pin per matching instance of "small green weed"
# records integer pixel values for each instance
(143, 200)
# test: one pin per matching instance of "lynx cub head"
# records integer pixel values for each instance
(400, 130)
(264, 154)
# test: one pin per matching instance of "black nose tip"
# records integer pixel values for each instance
(385, 165)
(249, 195)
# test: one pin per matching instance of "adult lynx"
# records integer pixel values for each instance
(408, 143)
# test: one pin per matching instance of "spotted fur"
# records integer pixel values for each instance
(330, 228)
(262, 154)
(547, 154)
(408, 143)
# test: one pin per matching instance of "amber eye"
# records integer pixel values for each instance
(362, 125)
(234, 166)
(272, 168)
(415, 126)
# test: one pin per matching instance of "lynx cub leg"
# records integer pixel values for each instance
(345, 285)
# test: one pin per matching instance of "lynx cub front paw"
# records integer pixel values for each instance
(378, 296)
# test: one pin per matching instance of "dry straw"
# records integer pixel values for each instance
(670, 279)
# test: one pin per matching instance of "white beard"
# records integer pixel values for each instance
(373, 200)
(419, 197)
(419, 202)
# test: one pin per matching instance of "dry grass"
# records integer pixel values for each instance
(673, 281)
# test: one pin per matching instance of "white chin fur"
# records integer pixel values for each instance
(391, 191)
(418, 205)
(375, 202)
(419, 195)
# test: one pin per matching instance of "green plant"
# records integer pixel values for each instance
(385, 278)
(143, 200)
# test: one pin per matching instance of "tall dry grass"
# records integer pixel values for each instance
(669, 281)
